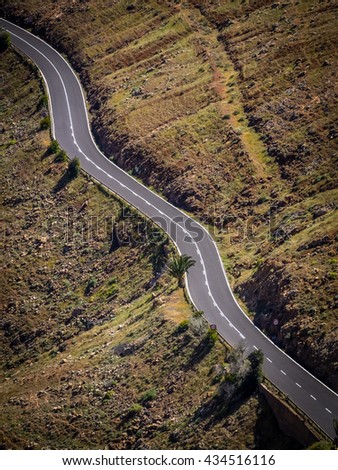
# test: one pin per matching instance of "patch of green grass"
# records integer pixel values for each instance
(149, 395)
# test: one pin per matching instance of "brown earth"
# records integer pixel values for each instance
(228, 109)
(97, 350)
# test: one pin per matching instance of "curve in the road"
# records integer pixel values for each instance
(207, 283)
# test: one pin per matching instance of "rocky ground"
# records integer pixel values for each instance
(96, 350)
(228, 110)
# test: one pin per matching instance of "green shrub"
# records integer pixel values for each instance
(61, 157)
(198, 313)
(149, 395)
(109, 395)
(74, 168)
(90, 286)
(135, 410)
(43, 102)
(5, 41)
(321, 445)
(226, 116)
(212, 336)
(183, 326)
(45, 123)
(54, 147)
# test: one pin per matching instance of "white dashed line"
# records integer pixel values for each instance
(298, 385)
(328, 411)
(314, 398)
(283, 372)
(268, 359)
(255, 347)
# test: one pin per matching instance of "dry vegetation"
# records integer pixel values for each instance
(97, 351)
(228, 109)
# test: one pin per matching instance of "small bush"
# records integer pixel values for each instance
(198, 314)
(5, 41)
(322, 445)
(54, 147)
(183, 326)
(45, 123)
(43, 102)
(149, 395)
(212, 336)
(134, 410)
(90, 286)
(226, 116)
(61, 157)
(74, 168)
(108, 395)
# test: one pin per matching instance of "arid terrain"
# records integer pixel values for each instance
(97, 351)
(228, 110)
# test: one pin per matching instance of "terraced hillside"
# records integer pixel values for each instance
(228, 109)
(99, 350)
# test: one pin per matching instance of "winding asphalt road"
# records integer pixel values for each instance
(207, 284)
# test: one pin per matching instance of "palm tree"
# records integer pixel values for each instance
(178, 266)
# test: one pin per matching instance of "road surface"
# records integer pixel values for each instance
(207, 284)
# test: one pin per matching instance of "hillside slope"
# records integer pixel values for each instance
(228, 110)
(96, 350)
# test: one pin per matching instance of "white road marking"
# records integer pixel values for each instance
(314, 398)
(328, 411)
(283, 372)
(255, 347)
(268, 359)
(298, 385)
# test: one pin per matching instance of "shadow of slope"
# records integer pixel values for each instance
(220, 406)
(63, 182)
(202, 349)
(267, 432)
